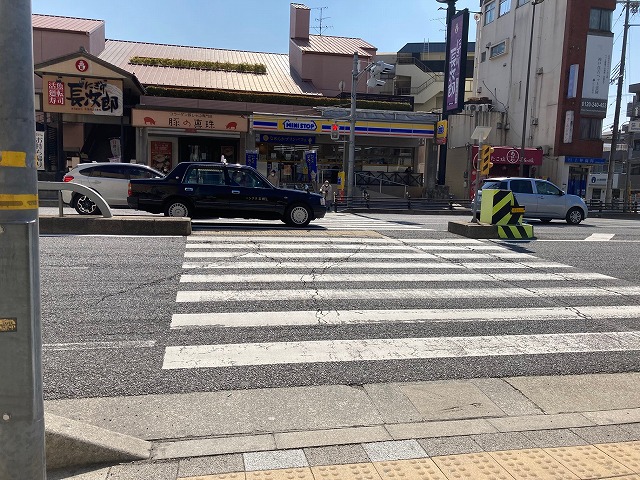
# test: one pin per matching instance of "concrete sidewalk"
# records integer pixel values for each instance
(548, 424)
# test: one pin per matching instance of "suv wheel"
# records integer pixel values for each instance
(177, 208)
(297, 216)
(575, 216)
(85, 206)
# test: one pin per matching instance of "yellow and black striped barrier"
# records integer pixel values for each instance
(500, 208)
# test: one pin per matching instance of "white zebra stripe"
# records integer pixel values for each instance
(409, 293)
(357, 317)
(323, 239)
(359, 254)
(278, 353)
(276, 265)
(331, 246)
(349, 278)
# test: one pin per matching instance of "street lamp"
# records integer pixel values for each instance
(442, 157)
(526, 89)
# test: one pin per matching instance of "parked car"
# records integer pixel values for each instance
(541, 199)
(110, 180)
(199, 189)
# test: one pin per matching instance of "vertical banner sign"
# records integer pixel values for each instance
(568, 126)
(251, 158)
(597, 72)
(311, 159)
(456, 61)
(572, 89)
(39, 150)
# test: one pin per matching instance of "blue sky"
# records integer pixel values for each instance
(263, 25)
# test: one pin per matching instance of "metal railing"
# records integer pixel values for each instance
(407, 203)
(94, 196)
(395, 179)
(616, 206)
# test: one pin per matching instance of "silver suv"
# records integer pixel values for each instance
(540, 198)
(110, 180)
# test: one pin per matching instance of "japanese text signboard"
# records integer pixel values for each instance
(456, 61)
(597, 72)
(82, 95)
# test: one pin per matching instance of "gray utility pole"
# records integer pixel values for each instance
(21, 405)
(616, 118)
(525, 117)
(352, 131)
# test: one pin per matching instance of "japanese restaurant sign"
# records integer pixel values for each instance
(82, 95)
(189, 121)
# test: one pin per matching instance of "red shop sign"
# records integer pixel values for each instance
(511, 155)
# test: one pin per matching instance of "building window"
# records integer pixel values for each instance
(590, 128)
(505, 6)
(490, 13)
(600, 19)
(498, 49)
(522, 2)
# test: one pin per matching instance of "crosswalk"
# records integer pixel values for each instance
(367, 284)
(332, 221)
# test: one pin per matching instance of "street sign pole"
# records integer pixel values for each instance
(21, 403)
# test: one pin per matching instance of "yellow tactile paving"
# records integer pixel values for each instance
(532, 464)
(627, 453)
(282, 474)
(473, 466)
(587, 462)
(354, 471)
(417, 469)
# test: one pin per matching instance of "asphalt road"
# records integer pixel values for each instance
(108, 304)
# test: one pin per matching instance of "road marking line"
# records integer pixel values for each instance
(331, 246)
(599, 237)
(357, 317)
(349, 278)
(230, 263)
(278, 353)
(98, 345)
(360, 254)
(315, 239)
(409, 293)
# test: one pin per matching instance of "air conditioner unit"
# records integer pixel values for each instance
(545, 149)
(483, 108)
(534, 121)
(470, 107)
(539, 71)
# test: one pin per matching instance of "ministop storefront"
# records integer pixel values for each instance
(388, 147)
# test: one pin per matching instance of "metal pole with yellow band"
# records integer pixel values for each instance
(21, 403)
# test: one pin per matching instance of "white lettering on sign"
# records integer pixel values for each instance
(290, 125)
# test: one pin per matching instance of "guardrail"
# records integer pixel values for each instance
(596, 206)
(407, 203)
(74, 187)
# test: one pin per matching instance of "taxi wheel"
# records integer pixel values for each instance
(177, 208)
(297, 216)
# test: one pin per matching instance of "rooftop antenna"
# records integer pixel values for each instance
(320, 28)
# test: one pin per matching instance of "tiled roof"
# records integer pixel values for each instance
(278, 79)
(334, 45)
(69, 24)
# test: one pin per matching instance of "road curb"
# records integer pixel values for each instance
(70, 443)
(126, 225)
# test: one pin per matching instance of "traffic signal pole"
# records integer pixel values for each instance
(21, 404)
